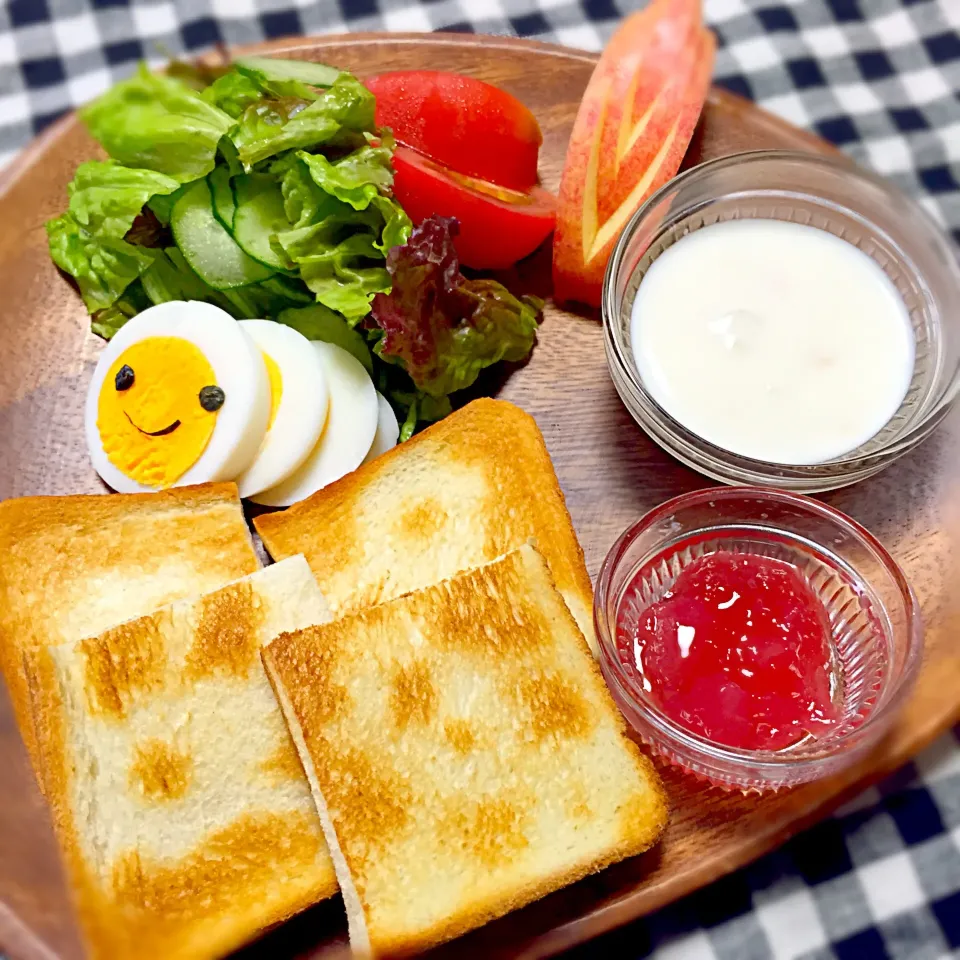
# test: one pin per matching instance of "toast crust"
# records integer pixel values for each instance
(72, 566)
(177, 847)
(465, 491)
(382, 705)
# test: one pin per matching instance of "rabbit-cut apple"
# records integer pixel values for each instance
(632, 130)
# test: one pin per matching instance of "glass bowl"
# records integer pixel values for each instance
(874, 620)
(824, 192)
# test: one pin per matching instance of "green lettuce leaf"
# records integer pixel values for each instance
(165, 134)
(344, 282)
(334, 227)
(356, 179)
(88, 241)
(158, 123)
(397, 225)
(105, 323)
(106, 197)
(195, 73)
(162, 204)
(102, 266)
(233, 93)
(303, 201)
(419, 406)
(442, 328)
(340, 254)
(266, 300)
(318, 322)
(344, 274)
(270, 126)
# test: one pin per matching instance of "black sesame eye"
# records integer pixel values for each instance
(211, 398)
(124, 378)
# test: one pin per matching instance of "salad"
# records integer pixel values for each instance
(266, 188)
(290, 191)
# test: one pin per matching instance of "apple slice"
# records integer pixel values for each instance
(634, 125)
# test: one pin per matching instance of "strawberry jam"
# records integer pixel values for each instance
(738, 651)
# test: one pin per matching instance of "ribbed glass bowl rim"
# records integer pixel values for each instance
(672, 735)
(723, 461)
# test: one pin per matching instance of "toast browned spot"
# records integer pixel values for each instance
(464, 753)
(184, 817)
(72, 566)
(462, 493)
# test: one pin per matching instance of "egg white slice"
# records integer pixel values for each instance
(347, 436)
(239, 370)
(301, 413)
(388, 430)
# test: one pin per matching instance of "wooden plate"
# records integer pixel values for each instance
(611, 474)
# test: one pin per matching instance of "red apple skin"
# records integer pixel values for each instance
(570, 278)
(663, 70)
(661, 56)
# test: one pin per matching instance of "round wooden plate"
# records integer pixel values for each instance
(610, 471)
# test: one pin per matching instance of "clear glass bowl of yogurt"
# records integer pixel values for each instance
(783, 319)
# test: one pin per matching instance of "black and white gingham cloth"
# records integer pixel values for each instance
(880, 78)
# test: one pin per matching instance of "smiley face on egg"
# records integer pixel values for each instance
(179, 396)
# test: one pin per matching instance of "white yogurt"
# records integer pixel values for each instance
(774, 340)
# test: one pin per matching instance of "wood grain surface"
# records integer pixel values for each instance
(610, 471)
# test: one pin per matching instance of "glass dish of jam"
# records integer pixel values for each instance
(756, 638)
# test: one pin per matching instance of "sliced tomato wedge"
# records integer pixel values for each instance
(462, 123)
(498, 226)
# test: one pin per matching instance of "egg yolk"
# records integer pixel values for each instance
(276, 387)
(155, 429)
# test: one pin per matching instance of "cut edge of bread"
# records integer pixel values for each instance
(356, 920)
(49, 727)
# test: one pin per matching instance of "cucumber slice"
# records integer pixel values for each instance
(270, 68)
(207, 246)
(260, 216)
(221, 192)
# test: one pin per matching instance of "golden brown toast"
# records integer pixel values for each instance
(462, 493)
(73, 566)
(182, 810)
(464, 753)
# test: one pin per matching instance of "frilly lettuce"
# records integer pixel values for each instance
(88, 240)
(355, 179)
(158, 123)
(350, 224)
(442, 328)
(269, 126)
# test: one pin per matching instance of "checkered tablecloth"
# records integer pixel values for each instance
(881, 78)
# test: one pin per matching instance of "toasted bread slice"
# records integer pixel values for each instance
(462, 493)
(464, 753)
(72, 566)
(182, 811)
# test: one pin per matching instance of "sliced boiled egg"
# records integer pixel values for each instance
(347, 436)
(298, 404)
(388, 430)
(180, 395)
